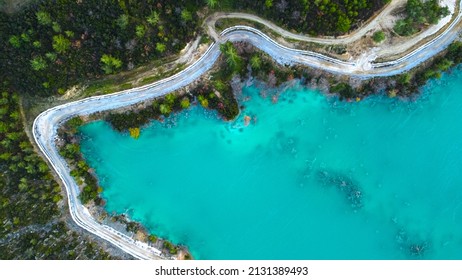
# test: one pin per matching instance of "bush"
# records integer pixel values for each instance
(378, 36)
(185, 103)
(344, 90)
(134, 132)
(170, 247)
(152, 238)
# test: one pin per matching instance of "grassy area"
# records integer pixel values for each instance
(128, 80)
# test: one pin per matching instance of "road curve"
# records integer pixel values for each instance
(46, 124)
(344, 39)
(375, 23)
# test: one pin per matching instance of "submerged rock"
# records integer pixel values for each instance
(350, 189)
(284, 145)
(418, 249)
(412, 247)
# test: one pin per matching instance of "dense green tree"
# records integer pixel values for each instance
(110, 64)
(161, 47)
(186, 15)
(56, 27)
(43, 18)
(25, 37)
(170, 99)
(255, 62)
(445, 64)
(38, 63)
(404, 27)
(184, 103)
(60, 43)
(37, 44)
(153, 18)
(232, 58)
(69, 33)
(74, 123)
(140, 31)
(122, 21)
(203, 101)
(51, 56)
(165, 109)
(344, 90)
(405, 78)
(343, 23)
(15, 41)
(455, 52)
(211, 3)
(152, 238)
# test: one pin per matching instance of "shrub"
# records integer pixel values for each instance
(378, 36)
(185, 103)
(134, 132)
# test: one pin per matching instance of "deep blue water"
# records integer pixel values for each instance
(311, 178)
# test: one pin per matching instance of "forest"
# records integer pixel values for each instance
(419, 14)
(31, 221)
(52, 45)
(314, 17)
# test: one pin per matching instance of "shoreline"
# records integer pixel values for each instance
(284, 86)
(46, 124)
(319, 82)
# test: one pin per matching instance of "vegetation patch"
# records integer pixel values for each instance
(419, 13)
(315, 17)
(378, 36)
(70, 150)
(54, 242)
(29, 198)
(25, 182)
(50, 47)
(410, 82)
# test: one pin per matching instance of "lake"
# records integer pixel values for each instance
(309, 176)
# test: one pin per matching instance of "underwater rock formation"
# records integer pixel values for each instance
(351, 190)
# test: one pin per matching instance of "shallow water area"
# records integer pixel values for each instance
(309, 177)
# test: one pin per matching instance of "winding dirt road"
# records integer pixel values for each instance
(46, 124)
(339, 40)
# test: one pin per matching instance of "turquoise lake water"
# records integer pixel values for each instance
(312, 178)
